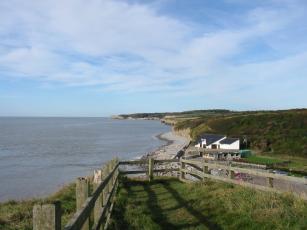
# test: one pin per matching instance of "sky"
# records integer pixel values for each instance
(105, 57)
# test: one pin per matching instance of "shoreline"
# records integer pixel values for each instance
(168, 141)
(174, 144)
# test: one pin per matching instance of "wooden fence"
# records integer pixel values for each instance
(201, 170)
(147, 166)
(105, 183)
(99, 204)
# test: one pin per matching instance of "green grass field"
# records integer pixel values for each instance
(170, 204)
(266, 160)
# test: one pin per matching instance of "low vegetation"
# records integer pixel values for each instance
(17, 215)
(170, 204)
(283, 132)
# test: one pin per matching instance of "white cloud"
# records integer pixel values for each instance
(129, 47)
(108, 27)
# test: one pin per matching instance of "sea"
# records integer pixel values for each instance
(40, 155)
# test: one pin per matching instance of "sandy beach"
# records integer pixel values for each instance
(174, 144)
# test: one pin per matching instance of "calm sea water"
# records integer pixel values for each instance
(39, 155)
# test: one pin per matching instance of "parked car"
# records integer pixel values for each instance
(280, 172)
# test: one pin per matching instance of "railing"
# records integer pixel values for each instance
(100, 203)
(105, 183)
(200, 170)
(150, 170)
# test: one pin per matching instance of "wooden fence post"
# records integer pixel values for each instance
(231, 174)
(114, 174)
(269, 182)
(106, 189)
(98, 204)
(150, 168)
(82, 192)
(47, 216)
(110, 168)
(205, 171)
(117, 170)
(182, 167)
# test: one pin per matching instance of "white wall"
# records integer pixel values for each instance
(234, 145)
(219, 146)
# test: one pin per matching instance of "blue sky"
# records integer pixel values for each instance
(104, 57)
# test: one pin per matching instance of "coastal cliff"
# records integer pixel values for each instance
(186, 133)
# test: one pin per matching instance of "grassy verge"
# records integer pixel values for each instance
(170, 204)
(18, 215)
(294, 165)
(266, 160)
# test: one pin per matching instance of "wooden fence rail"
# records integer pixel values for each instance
(105, 184)
(100, 203)
(200, 170)
(247, 171)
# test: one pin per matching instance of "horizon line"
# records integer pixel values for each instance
(110, 116)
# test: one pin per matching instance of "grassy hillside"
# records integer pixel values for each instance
(170, 204)
(283, 132)
(17, 215)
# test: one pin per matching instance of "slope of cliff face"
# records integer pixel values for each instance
(184, 133)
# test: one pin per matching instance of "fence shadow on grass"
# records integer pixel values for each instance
(161, 201)
(158, 213)
(199, 216)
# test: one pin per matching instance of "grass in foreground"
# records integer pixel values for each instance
(18, 214)
(170, 204)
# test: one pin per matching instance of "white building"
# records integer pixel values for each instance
(230, 143)
(219, 147)
(216, 141)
